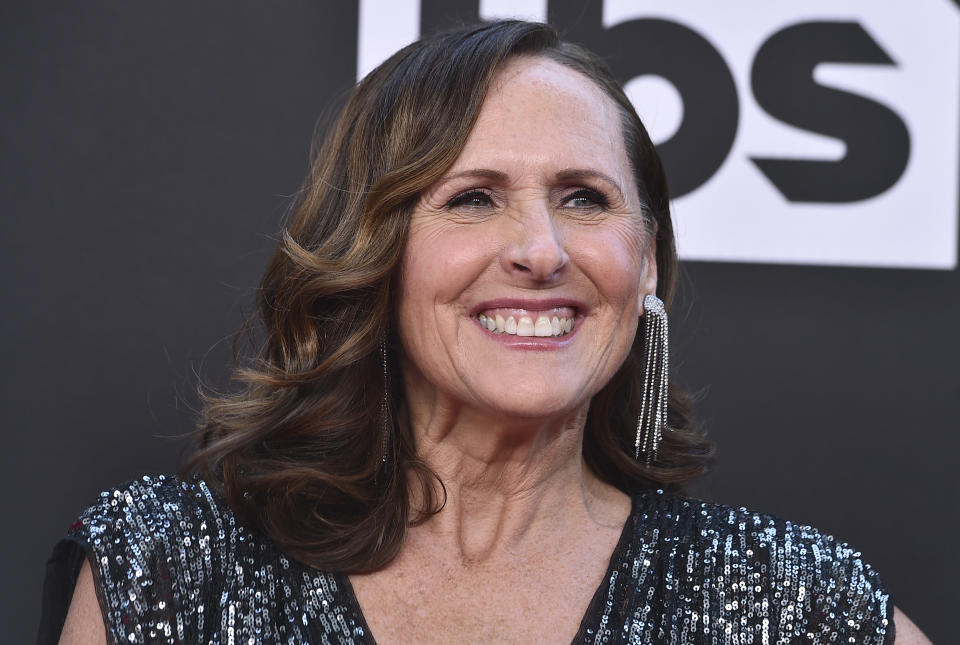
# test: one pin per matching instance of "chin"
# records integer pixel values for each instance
(534, 402)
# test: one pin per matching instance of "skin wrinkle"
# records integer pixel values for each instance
(435, 200)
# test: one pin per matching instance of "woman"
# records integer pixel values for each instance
(457, 430)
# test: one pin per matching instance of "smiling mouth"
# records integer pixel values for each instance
(555, 322)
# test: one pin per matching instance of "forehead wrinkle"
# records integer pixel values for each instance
(503, 156)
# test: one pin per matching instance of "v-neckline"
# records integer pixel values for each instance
(596, 601)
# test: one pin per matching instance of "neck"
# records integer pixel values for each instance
(509, 483)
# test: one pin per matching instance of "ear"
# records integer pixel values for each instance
(648, 279)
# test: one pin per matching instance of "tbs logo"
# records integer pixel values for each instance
(821, 132)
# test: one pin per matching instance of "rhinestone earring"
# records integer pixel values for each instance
(385, 403)
(653, 401)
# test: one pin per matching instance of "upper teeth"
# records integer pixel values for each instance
(526, 326)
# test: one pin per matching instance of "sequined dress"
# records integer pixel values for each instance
(172, 564)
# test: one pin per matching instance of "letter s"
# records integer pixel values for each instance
(878, 143)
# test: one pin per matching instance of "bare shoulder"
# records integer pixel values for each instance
(84, 622)
(907, 632)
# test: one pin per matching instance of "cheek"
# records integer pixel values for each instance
(439, 263)
(613, 258)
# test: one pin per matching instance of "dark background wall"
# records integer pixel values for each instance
(149, 151)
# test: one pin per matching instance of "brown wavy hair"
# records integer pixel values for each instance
(297, 449)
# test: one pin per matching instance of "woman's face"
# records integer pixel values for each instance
(526, 264)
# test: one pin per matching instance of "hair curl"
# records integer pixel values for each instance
(295, 451)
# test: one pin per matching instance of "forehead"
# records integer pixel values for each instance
(538, 110)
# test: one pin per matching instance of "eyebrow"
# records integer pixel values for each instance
(567, 174)
(495, 175)
(571, 174)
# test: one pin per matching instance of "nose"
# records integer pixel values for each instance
(536, 250)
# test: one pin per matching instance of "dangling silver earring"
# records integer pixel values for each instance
(385, 403)
(653, 402)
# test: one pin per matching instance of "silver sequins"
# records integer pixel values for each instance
(175, 566)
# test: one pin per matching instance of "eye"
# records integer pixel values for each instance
(471, 199)
(586, 198)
